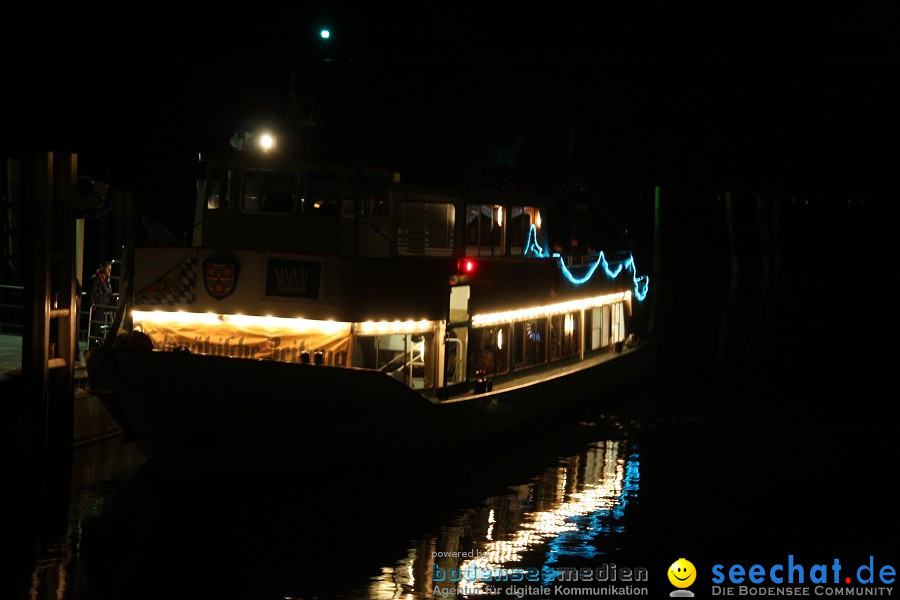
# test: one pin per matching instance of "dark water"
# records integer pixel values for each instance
(768, 431)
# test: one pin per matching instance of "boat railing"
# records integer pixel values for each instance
(408, 366)
(99, 321)
(405, 359)
(589, 258)
(421, 243)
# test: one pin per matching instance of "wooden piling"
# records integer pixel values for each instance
(36, 190)
(63, 268)
(49, 306)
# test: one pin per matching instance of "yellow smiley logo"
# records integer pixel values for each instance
(682, 573)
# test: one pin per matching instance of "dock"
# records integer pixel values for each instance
(91, 422)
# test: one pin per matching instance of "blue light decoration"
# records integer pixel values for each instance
(533, 245)
(641, 283)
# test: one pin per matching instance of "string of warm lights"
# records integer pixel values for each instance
(295, 324)
(410, 326)
(641, 283)
(547, 310)
(191, 318)
(373, 327)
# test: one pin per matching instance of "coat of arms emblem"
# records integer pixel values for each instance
(220, 274)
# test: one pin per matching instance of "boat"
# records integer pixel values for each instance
(332, 312)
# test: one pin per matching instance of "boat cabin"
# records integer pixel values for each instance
(441, 289)
(339, 211)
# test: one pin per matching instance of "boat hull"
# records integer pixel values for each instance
(195, 415)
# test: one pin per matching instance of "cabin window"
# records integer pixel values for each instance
(485, 232)
(425, 228)
(564, 341)
(489, 349)
(349, 198)
(457, 338)
(530, 343)
(373, 196)
(220, 189)
(269, 191)
(599, 327)
(607, 325)
(406, 357)
(521, 218)
(325, 194)
(617, 324)
(455, 355)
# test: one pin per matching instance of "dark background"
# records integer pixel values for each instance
(746, 97)
(594, 104)
(775, 425)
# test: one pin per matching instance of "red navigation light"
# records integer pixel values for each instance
(466, 266)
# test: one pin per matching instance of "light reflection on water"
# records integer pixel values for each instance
(69, 503)
(573, 510)
(570, 509)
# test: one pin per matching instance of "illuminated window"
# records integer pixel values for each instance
(485, 230)
(599, 327)
(490, 350)
(520, 220)
(607, 326)
(455, 355)
(407, 357)
(530, 343)
(564, 340)
(617, 323)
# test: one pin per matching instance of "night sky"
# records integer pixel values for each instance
(738, 96)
